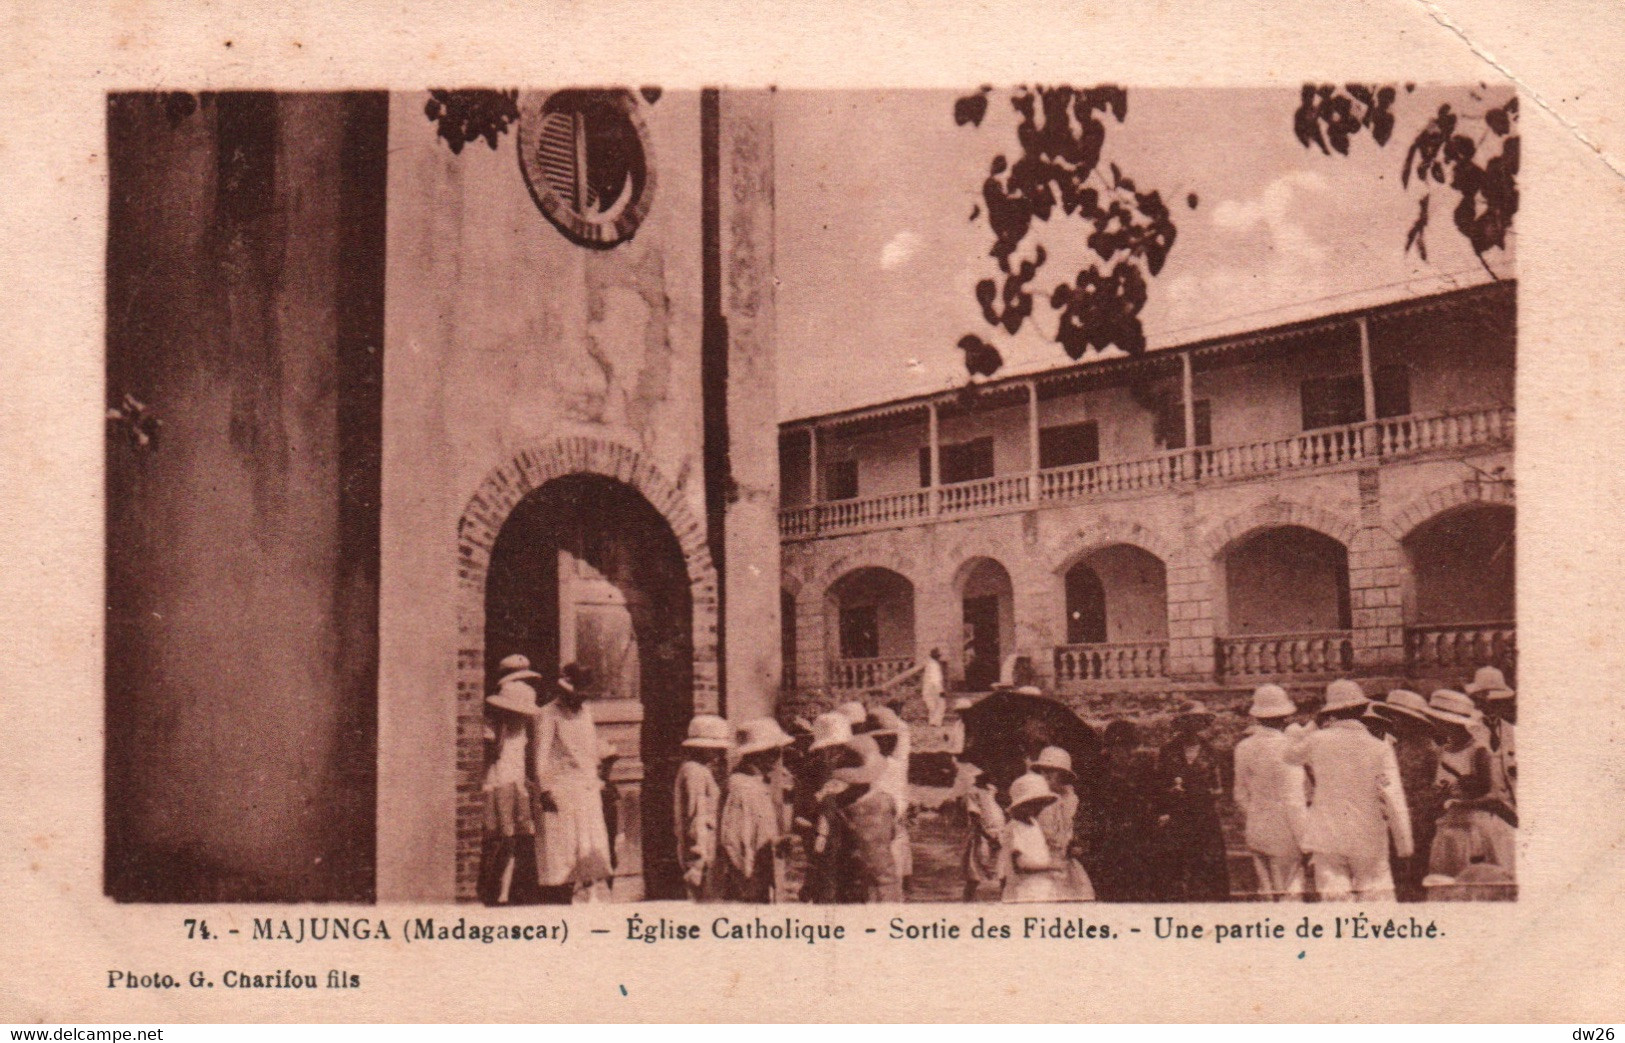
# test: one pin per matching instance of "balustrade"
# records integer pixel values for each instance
(984, 494)
(1317, 654)
(866, 673)
(1114, 661)
(1066, 483)
(1461, 647)
(1376, 440)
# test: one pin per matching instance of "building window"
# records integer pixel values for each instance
(1171, 423)
(860, 632)
(1340, 400)
(1333, 401)
(1069, 444)
(1393, 386)
(841, 480)
(787, 639)
(962, 462)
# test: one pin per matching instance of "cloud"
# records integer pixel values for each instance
(902, 247)
(1273, 212)
(1256, 255)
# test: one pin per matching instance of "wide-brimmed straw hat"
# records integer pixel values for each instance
(1031, 789)
(1453, 708)
(515, 695)
(1489, 683)
(708, 732)
(1053, 758)
(1270, 701)
(515, 668)
(1343, 694)
(761, 734)
(1402, 702)
(883, 721)
(830, 729)
(870, 764)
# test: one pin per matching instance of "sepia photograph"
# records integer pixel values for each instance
(1015, 494)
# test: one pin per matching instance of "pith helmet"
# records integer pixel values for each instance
(1343, 694)
(761, 734)
(708, 732)
(1270, 701)
(1055, 759)
(830, 729)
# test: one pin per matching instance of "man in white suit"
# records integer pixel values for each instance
(1270, 793)
(1358, 801)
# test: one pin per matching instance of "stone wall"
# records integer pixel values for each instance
(516, 355)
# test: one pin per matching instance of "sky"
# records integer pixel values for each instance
(878, 259)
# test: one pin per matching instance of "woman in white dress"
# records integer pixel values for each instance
(572, 841)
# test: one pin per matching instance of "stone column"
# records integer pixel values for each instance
(1040, 608)
(1194, 588)
(1376, 587)
(752, 530)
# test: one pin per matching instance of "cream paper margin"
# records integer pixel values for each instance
(1553, 956)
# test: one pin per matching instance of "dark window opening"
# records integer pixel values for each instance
(1069, 444)
(1333, 401)
(1340, 400)
(1171, 423)
(787, 639)
(962, 462)
(841, 480)
(1393, 386)
(1085, 607)
(860, 632)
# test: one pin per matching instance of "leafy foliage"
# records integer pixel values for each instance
(1060, 132)
(462, 116)
(1444, 152)
(1328, 116)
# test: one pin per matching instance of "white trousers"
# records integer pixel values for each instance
(1340, 878)
(1279, 877)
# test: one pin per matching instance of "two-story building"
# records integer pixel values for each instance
(1331, 497)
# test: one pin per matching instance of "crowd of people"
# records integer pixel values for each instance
(1363, 798)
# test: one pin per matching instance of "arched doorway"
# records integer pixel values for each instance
(1459, 590)
(872, 612)
(1116, 616)
(586, 569)
(1286, 608)
(988, 621)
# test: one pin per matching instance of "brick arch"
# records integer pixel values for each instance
(1100, 535)
(1274, 514)
(842, 567)
(482, 519)
(968, 561)
(1428, 506)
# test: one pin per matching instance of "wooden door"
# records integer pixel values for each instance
(982, 651)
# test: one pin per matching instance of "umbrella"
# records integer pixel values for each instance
(1006, 727)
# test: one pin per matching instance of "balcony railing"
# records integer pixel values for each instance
(866, 673)
(1370, 441)
(1461, 648)
(1115, 661)
(1321, 653)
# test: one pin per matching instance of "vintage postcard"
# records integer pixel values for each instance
(1025, 528)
